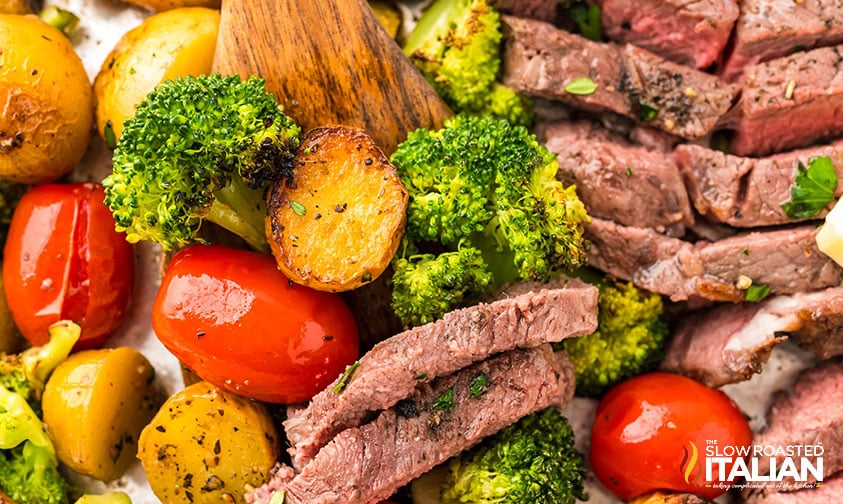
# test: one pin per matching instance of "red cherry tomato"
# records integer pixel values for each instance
(651, 433)
(236, 321)
(64, 260)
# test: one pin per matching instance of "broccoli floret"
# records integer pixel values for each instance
(29, 472)
(200, 148)
(630, 337)
(480, 188)
(10, 195)
(457, 44)
(533, 460)
(26, 373)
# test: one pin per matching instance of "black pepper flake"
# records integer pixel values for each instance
(407, 408)
(340, 208)
(368, 161)
(217, 447)
(328, 337)
(199, 334)
(213, 483)
(160, 428)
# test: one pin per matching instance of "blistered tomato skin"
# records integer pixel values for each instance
(237, 322)
(64, 260)
(652, 432)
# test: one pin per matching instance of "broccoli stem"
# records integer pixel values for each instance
(241, 210)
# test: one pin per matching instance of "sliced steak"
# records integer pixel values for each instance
(769, 29)
(541, 60)
(692, 33)
(790, 102)
(746, 191)
(810, 414)
(786, 260)
(552, 11)
(391, 370)
(619, 181)
(368, 463)
(729, 343)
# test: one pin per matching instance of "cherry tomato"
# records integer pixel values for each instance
(652, 432)
(64, 260)
(239, 323)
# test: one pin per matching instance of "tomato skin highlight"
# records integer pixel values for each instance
(239, 323)
(647, 429)
(64, 260)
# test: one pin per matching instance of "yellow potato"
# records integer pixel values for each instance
(205, 445)
(337, 226)
(162, 5)
(47, 102)
(15, 7)
(164, 46)
(95, 405)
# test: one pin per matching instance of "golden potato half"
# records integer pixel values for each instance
(163, 5)
(337, 226)
(46, 99)
(164, 46)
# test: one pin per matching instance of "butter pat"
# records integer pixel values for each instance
(830, 236)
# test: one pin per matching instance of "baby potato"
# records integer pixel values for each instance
(164, 46)
(337, 225)
(95, 405)
(206, 445)
(47, 101)
(15, 7)
(163, 5)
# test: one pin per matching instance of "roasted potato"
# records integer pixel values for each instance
(336, 226)
(164, 46)
(163, 5)
(205, 445)
(47, 99)
(95, 404)
(15, 7)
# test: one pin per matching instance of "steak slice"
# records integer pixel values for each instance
(745, 191)
(368, 463)
(786, 260)
(809, 414)
(692, 33)
(541, 60)
(789, 102)
(769, 29)
(619, 181)
(393, 368)
(552, 11)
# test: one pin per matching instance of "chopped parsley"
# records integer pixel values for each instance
(757, 292)
(587, 17)
(581, 86)
(648, 112)
(813, 189)
(346, 377)
(478, 385)
(298, 208)
(445, 401)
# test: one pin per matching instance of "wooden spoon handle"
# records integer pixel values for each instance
(328, 62)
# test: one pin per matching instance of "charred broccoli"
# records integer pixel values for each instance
(485, 208)
(200, 148)
(457, 46)
(533, 460)
(629, 340)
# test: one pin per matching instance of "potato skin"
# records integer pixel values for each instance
(163, 5)
(48, 115)
(337, 225)
(205, 445)
(95, 405)
(164, 46)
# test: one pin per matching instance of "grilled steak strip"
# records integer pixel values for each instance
(691, 33)
(541, 60)
(619, 181)
(786, 260)
(790, 102)
(368, 463)
(745, 191)
(810, 413)
(769, 29)
(395, 367)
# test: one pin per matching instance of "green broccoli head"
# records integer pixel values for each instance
(454, 275)
(29, 472)
(200, 148)
(533, 460)
(630, 337)
(26, 373)
(481, 182)
(457, 44)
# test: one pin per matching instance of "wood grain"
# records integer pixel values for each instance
(329, 62)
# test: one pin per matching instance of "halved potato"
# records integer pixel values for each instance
(162, 5)
(337, 226)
